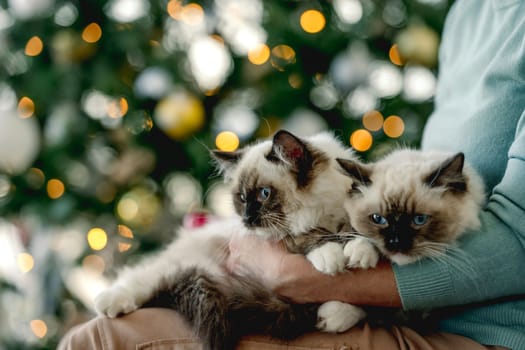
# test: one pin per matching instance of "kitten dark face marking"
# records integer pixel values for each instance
(399, 230)
(256, 202)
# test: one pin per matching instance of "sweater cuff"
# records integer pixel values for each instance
(424, 284)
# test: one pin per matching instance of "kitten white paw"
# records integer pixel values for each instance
(328, 258)
(337, 317)
(361, 253)
(115, 301)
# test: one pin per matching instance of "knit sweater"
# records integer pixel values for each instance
(480, 110)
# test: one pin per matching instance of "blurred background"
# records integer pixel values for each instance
(108, 110)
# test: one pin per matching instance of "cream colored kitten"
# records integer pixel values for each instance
(410, 205)
(287, 188)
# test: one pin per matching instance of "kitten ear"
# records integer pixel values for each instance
(289, 149)
(449, 174)
(356, 170)
(225, 161)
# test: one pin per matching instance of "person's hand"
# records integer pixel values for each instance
(294, 277)
(289, 275)
(257, 258)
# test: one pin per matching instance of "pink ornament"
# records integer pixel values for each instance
(195, 220)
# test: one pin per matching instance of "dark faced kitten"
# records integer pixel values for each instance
(410, 205)
(287, 188)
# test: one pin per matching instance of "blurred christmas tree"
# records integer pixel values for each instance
(108, 108)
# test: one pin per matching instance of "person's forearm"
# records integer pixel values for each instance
(303, 284)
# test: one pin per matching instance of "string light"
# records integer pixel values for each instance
(25, 262)
(312, 21)
(92, 33)
(395, 55)
(55, 188)
(282, 55)
(373, 120)
(192, 14)
(118, 109)
(97, 238)
(39, 328)
(227, 141)
(26, 107)
(35, 177)
(259, 54)
(174, 9)
(34, 46)
(125, 231)
(393, 126)
(124, 246)
(361, 140)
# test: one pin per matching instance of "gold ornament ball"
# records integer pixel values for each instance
(67, 47)
(179, 115)
(139, 207)
(419, 44)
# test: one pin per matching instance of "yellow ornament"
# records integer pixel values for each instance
(418, 44)
(179, 115)
(139, 207)
(67, 46)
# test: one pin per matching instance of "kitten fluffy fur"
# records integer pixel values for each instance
(410, 205)
(285, 188)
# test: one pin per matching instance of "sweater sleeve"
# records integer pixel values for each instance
(490, 262)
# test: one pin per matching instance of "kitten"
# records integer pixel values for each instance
(410, 205)
(287, 189)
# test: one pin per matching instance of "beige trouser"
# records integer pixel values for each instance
(164, 329)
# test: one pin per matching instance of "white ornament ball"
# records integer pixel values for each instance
(19, 142)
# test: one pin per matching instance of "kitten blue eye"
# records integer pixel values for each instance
(264, 194)
(378, 219)
(420, 219)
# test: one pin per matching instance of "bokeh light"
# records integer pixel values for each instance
(92, 33)
(259, 54)
(361, 140)
(174, 8)
(139, 207)
(312, 21)
(282, 56)
(34, 46)
(25, 262)
(348, 11)
(26, 107)
(227, 141)
(395, 55)
(125, 11)
(184, 193)
(97, 238)
(393, 126)
(55, 188)
(210, 62)
(5, 186)
(419, 84)
(192, 14)
(385, 79)
(117, 108)
(180, 114)
(39, 328)
(373, 120)
(35, 177)
(125, 231)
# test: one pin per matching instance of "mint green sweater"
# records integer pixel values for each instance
(480, 110)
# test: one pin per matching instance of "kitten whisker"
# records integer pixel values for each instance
(448, 254)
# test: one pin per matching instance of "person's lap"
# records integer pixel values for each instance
(164, 329)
